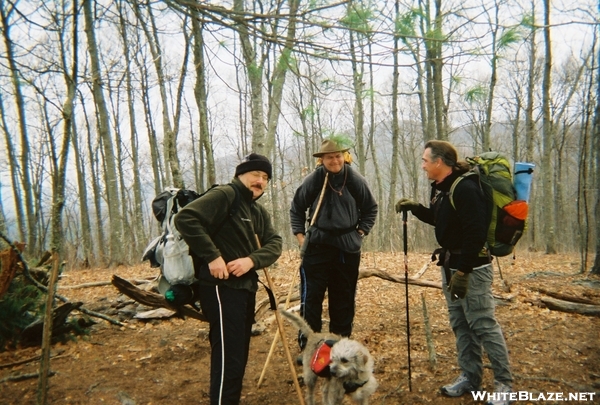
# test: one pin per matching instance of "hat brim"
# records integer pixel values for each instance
(321, 154)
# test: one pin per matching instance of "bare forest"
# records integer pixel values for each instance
(105, 104)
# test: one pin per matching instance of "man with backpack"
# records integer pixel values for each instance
(221, 229)
(461, 228)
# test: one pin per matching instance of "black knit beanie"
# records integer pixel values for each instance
(254, 161)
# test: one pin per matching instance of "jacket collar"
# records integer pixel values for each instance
(447, 182)
(245, 193)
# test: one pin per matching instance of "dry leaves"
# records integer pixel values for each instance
(167, 361)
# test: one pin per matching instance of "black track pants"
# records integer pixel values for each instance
(326, 268)
(230, 313)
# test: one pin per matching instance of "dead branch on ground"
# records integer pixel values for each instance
(571, 307)
(564, 297)
(152, 299)
(21, 377)
(101, 284)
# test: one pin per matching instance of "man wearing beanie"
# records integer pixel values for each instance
(220, 229)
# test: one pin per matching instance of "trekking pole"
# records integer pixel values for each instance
(274, 343)
(405, 232)
(286, 349)
(302, 251)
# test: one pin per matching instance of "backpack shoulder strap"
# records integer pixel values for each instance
(236, 201)
(235, 206)
(351, 182)
(472, 172)
(171, 202)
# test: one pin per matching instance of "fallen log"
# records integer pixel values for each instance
(21, 377)
(564, 297)
(397, 279)
(59, 354)
(571, 307)
(98, 284)
(32, 334)
(152, 299)
(422, 283)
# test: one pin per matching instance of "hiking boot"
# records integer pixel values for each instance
(500, 395)
(460, 386)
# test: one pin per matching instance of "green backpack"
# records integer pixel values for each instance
(507, 214)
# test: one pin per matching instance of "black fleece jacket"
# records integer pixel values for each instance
(463, 229)
(236, 237)
(344, 211)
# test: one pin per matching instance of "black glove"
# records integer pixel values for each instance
(404, 204)
(459, 285)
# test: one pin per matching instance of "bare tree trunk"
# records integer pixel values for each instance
(516, 127)
(59, 160)
(381, 213)
(254, 71)
(585, 156)
(438, 88)
(201, 96)
(387, 225)
(128, 232)
(93, 147)
(359, 110)
(159, 175)
(113, 199)
(2, 220)
(24, 170)
(169, 129)
(307, 109)
(85, 227)
(277, 80)
(487, 128)
(304, 115)
(596, 161)
(429, 68)
(530, 129)
(14, 174)
(547, 135)
(138, 220)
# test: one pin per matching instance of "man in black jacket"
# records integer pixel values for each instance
(347, 213)
(462, 232)
(226, 263)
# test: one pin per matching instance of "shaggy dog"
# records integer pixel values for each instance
(351, 367)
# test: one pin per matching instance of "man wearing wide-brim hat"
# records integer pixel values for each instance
(332, 257)
(330, 146)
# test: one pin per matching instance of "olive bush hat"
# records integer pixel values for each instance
(330, 146)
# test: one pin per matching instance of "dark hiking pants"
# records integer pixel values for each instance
(326, 268)
(230, 313)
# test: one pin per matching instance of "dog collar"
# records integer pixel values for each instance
(351, 386)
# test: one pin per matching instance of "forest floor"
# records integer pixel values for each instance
(166, 361)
